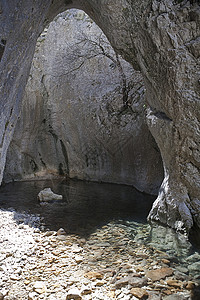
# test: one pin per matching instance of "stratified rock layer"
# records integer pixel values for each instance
(161, 38)
(87, 112)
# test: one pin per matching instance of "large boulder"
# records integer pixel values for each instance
(46, 195)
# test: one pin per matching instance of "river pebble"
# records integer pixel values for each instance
(109, 264)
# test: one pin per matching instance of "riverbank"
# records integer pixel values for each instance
(109, 264)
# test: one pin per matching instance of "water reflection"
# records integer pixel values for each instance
(85, 205)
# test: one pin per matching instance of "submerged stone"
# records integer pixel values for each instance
(158, 274)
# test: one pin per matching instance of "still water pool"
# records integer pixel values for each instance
(85, 205)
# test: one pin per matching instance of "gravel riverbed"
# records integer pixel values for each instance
(36, 263)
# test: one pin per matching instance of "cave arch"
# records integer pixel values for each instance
(87, 108)
(159, 38)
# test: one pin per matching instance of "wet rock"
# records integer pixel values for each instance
(139, 293)
(47, 195)
(158, 274)
(1, 296)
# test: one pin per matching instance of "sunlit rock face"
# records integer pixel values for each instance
(83, 113)
(173, 94)
(160, 38)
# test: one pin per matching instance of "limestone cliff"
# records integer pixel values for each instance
(160, 38)
(83, 113)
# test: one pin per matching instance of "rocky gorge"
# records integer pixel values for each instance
(160, 39)
(107, 92)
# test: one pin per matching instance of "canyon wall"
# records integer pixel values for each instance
(159, 38)
(83, 113)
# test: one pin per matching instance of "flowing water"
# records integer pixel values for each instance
(86, 207)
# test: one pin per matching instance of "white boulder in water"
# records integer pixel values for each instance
(47, 195)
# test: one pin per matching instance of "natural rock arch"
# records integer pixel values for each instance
(87, 108)
(161, 38)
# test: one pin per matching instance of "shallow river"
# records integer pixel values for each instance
(86, 207)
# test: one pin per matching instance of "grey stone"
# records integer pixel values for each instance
(131, 280)
(195, 267)
(138, 282)
(121, 282)
(154, 296)
(47, 195)
(176, 297)
(182, 269)
(193, 258)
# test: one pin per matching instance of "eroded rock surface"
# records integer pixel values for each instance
(173, 114)
(87, 112)
(161, 38)
(164, 38)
